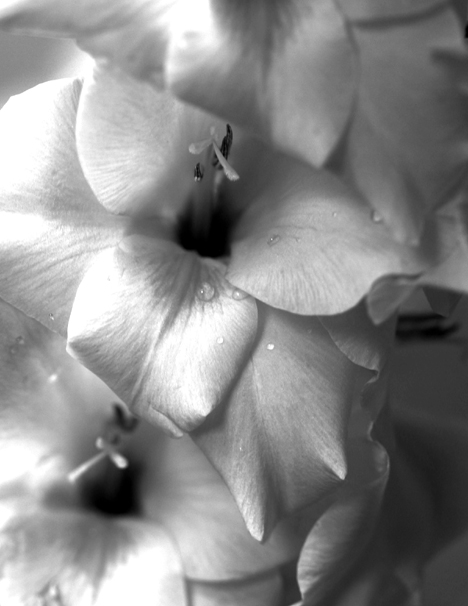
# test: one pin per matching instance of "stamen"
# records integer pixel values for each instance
(122, 422)
(198, 172)
(221, 155)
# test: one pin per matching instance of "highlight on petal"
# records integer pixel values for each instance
(286, 70)
(132, 34)
(279, 442)
(310, 245)
(265, 590)
(182, 491)
(48, 402)
(408, 162)
(163, 328)
(133, 144)
(51, 225)
(82, 559)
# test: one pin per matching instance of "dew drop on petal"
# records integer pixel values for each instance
(376, 217)
(206, 291)
(13, 350)
(220, 340)
(239, 294)
(20, 340)
(270, 346)
(51, 317)
(334, 214)
(274, 239)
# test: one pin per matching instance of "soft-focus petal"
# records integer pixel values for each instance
(133, 144)
(376, 10)
(266, 590)
(309, 245)
(51, 225)
(163, 328)
(279, 441)
(345, 529)
(287, 70)
(407, 147)
(182, 491)
(85, 559)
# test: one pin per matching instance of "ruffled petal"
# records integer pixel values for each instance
(342, 534)
(133, 143)
(163, 328)
(279, 441)
(51, 225)
(182, 491)
(286, 70)
(309, 245)
(65, 557)
(408, 161)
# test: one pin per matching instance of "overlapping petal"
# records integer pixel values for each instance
(378, 10)
(246, 63)
(309, 244)
(51, 225)
(177, 315)
(407, 147)
(279, 442)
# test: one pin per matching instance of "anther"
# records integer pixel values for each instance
(198, 172)
(220, 155)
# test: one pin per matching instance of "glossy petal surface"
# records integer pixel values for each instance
(85, 559)
(407, 149)
(51, 225)
(286, 70)
(308, 244)
(279, 441)
(151, 301)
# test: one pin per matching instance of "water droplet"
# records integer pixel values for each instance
(51, 317)
(20, 340)
(297, 239)
(274, 239)
(220, 340)
(376, 217)
(334, 214)
(13, 350)
(239, 294)
(206, 292)
(270, 346)
(50, 595)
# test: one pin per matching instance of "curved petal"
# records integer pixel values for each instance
(163, 328)
(408, 162)
(130, 33)
(51, 225)
(279, 441)
(182, 491)
(65, 557)
(309, 245)
(133, 143)
(286, 70)
(340, 536)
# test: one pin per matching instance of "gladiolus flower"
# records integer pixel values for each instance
(144, 519)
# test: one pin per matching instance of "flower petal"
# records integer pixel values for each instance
(86, 559)
(308, 244)
(51, 226)
(279, 442)
(130, 33)
(285, 70)
(407, 162)
(163, 328)
(340, 536)
(133, 144)
(182, 491)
